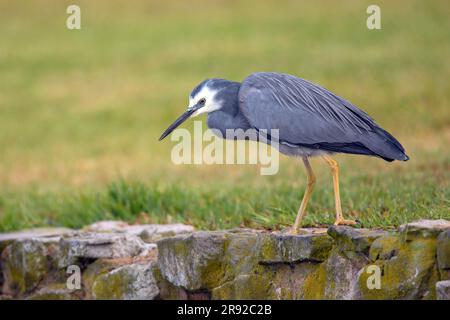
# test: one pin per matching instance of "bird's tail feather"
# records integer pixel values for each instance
(384, 145)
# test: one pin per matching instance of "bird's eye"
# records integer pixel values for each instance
(202, 101)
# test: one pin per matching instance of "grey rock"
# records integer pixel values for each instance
(349, 239)
(284, 248)
(409, 268)
(8, 237)
(193, 261)
(116, 263)
(385, 248)
(208, 260)
(89, 245)
(26, 263)
(341, 275)
(424, 228)
(156, 232)
(443, 290)
(148, 232)
(148, 248)
(244, 287)
(443, 250)
(288, 282)
(55, 292)
(128, 282)
(107, 226)
(241, 253)
(334, 278)
(228, 261)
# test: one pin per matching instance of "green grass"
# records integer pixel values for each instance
(377, 201)
(81, 111)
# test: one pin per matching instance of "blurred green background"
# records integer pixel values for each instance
(82, 110)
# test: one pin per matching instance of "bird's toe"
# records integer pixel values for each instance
(343, 222)
(292, 231)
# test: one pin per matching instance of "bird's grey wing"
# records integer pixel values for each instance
(308, 115)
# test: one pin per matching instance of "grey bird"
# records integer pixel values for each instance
(311, 121)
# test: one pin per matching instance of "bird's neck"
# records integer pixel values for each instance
(229, 115)
(229, 98)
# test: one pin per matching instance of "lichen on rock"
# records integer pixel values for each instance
(26, 263)
(149, 233)
(407, 261)
(443, 290)
(98, 245)
(339, 263)
(286, 248)
(245, 286)
(424, 228)
(58, 291)
(129, 282)
(9, 237)
(194, 261)
(443, 254)
(350, 240)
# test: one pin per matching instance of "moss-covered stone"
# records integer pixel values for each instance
(26, 263)
(443, 254)
(314, 284)
(252, 286)
(9, 237)
(285, 248)
(289, 281)
(235, 264)
(424, 228)
(408, 269)
(407, 260)
(443, 290)
(385, 248)
(167, 291)
(335, 278)
(86, 245)
(200, 261)
(56, 292)
(129, 282)
(95, 269)
(150, 233)
(350, 240)
(241, 254)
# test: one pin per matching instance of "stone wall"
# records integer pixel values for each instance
(113, 260)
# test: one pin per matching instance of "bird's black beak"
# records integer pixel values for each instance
(180, 120)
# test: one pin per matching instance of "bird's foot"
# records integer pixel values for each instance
(343, 222)
(292, 231)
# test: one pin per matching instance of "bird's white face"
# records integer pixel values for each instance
(206, 97)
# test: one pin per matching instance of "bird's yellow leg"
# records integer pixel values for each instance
(309, 188)
(337, 198)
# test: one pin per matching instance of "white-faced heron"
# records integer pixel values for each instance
(311, 121)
